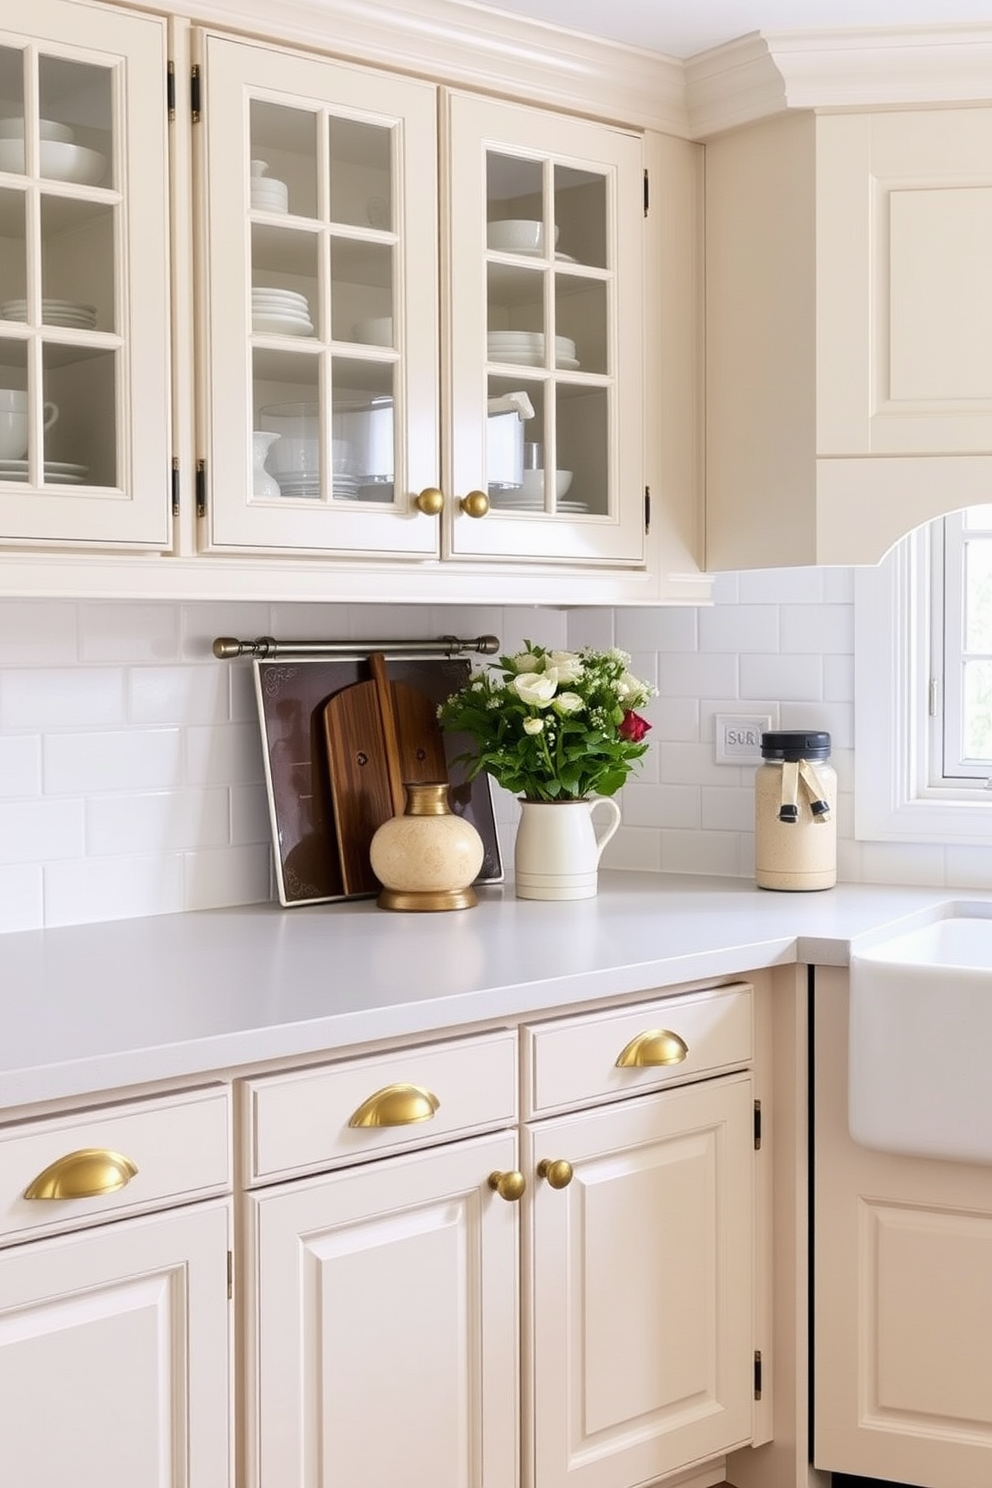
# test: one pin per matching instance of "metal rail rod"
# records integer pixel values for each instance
(227, 648)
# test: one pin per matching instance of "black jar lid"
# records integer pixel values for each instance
(795, 744)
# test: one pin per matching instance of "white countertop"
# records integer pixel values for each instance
(97, 1007)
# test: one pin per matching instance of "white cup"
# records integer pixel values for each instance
(14, 422)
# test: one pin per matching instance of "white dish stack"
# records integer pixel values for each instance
(280, 312)
(267, 194)
(66, 313)
(526, 349)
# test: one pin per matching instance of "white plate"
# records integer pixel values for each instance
(532, 359)
(68, 475)
(275, 325)
(270, 292)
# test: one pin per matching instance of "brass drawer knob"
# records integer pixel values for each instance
(656, 1046)
(475, 504)
(430, 501)
(85, 1174)
(396, 1105)
(556, 1171)
(510, 1186)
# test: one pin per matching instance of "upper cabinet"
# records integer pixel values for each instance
(85, 436)
(849, 316)
(354, 402)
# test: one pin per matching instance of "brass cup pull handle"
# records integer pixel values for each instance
(85, 1174)
(510, 1186)
(475, 504)
(396, 1105)
(430, 501)
(557, 1171)
(656, 1046)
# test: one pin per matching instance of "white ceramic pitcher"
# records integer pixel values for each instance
(558, 848)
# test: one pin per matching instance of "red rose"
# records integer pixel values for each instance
(634, 727)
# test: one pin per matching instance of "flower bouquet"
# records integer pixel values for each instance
(553, 725)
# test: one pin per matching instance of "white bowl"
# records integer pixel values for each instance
(532, 486)
(378, 331)
(48, 129)
(59, 161)
(517, 235)
(270, 195)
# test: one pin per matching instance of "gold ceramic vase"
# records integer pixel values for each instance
(428, 857)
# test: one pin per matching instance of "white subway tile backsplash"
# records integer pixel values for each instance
(249, 811)
(41, 831)
(712, 853)
(178, 695)
(22, 904)
(634, 848)
(152, 633)
(780, 586)
(233, 875)
(739, 628)
(157, 821)
(20, 766)
(36, 632)
(201, 624)
(838, 679)
(225, 755)
(112, 760)
(60, 697)
(699, 676)
(122, 888)
(694, 764)
(662, 806)
(902, 863)
(969, 867)
(593, 627)
(728, 809)
(789, 678)
(656, 630)
(822, 628)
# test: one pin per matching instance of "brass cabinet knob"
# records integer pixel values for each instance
(475, 504)
(509, 1186)
(557, 1171)
(430, 501)
(656, 1046)
(396, 1105)
(85, 1174)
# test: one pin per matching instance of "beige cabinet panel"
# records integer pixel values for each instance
(114, 1355)
(903, 1295)
(641, 1287)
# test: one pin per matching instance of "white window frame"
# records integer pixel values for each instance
(894, 800)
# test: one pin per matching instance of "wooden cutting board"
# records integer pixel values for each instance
(381, 735)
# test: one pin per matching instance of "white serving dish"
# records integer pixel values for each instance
(516, 235)
(532, 484)
(48, 129)
(58, 161)
(280, 325)
(377, 331)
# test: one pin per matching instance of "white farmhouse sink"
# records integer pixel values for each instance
(920, 1080)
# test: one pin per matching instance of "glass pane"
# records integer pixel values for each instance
(363, 430)
(515, 214)
(581, 324)
(514, 436)
(978, 595)
(14, 424)
(362, 292)
(978, 710)
(581, 216)
(77, 271)
(283, 145)
(76, 122)
(287, 445)
(13, 256)
(361, 184)
(11, 109)
(582, 428)
(80, 392)
(516, 315)
(284, 277)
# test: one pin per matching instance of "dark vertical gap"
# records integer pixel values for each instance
(811, 1171)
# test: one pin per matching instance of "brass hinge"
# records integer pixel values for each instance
(647, 192)
(194, 92)
(174, 479)
(170, 90)
(647, 509)
(230, 1274)
(201, 488)
(757, 1374)
(757, 1126)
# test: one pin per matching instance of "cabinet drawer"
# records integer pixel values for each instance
(179, 1145)
(299, 1122)
(572, 1061)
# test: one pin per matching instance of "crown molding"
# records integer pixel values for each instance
(858, 68)
(474, 46)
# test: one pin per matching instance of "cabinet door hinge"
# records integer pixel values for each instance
(194, 92)
(201, 488)
(647, 192)
(757, 1126)
(757, 1374)
(170, 90)
(647, 509)
(230, 1274)
(174, 481)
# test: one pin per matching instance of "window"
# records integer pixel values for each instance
(923, 686)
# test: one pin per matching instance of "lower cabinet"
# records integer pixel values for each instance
(903, 1295)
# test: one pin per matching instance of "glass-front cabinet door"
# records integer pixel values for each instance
(544, 323)
(85, 445)
(319, 382)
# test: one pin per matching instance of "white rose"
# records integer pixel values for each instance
(526, 662)
(535, 688)
(567, 665)
(533, 725)
(629, 689)
(568, 702)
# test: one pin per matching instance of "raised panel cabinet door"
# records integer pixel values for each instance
(902, 1295)
(904, 309)
(85, 400)
(545, 218)
(382, 1333)
(641, 1277)
(114, 1355)
(317, 216)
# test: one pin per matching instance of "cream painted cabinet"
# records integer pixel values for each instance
(849, 316)
(85, 416)
(903, 1295)
(351, 404)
